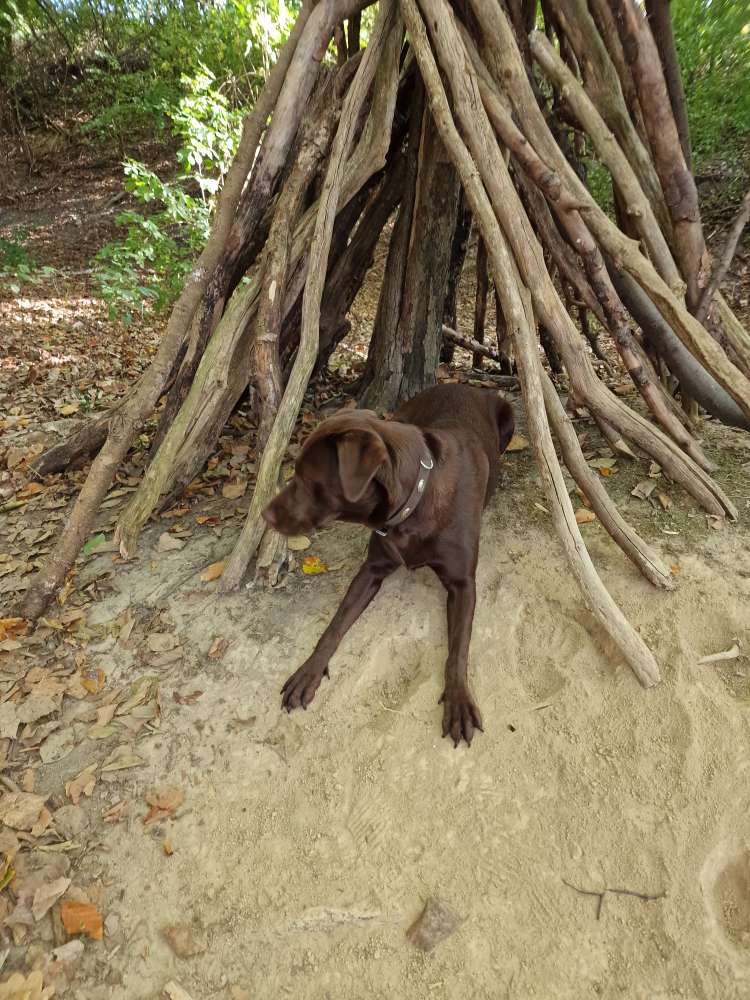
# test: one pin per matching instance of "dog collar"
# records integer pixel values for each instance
(426, 465)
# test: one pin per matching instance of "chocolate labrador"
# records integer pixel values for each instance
(420, 481)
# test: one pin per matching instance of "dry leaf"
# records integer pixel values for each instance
(168, 848)
(715, 522)
(176, 512)
(174, 991)
(163, 801)
(82, 918)
(9, 721)
(21, 987)
(727, 654)
(20, 810)
(168, 543)
(654, 470)
(185, 941)
(312, 565)
(161, 642)
(212, 572)
(47, 895)
(68, 409)
(298, 543)
(517, 443)
(602, 463)
(12, 628)
(664, 500)
(82, 784)
(121, 758)
(218, 647)
(584, 516)
(233, 491)
(607, 471)
(643, 490)
(93, 680)
(435, 923)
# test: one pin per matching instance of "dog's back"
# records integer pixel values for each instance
(465, 408)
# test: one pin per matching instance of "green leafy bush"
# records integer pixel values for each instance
(16, 265)
(148, 267)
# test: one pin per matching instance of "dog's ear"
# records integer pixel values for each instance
(360, 453)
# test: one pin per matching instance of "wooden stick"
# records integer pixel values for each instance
(730, 248)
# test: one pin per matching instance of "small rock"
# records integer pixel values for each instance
(435, 923)
(69, 821)
(185, 941)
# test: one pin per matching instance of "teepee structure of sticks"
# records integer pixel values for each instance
(477, 110)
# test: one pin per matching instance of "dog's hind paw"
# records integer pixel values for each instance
(299, 689)
(461, 716)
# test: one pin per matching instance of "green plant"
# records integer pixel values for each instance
(148, 267)
(16, 266)
(713, 44)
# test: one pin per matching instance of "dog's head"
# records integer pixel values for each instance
(344, 470)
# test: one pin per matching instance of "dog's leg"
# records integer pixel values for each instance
(300, 688)
(461, 716)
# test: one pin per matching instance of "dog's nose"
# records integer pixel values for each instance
(269, 515)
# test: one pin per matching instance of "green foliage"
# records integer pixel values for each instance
(713, 44)
(16, 265)
(148, 267)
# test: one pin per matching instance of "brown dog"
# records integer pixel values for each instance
(419, 481)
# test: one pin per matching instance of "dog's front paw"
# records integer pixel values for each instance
(300, 688)
(461, 717)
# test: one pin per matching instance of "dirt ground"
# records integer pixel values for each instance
(594, 842)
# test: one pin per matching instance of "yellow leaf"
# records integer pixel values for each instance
(517, 443)
(212, 572)
(584, 516)
(312, 565)
(69, 409)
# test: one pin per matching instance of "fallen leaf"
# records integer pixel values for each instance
(168, 543)
(161, 642)
(312, 565)
(176, 512)
(93, 544)
(212, 572)
(436, 922)
(12, 628)
(163, 801)
(47, 895)
(186, 699)
(122, 758)
(643, 490)
(715, 522)
(665, 501)
(185, 941)
(9, 721)
(168, 848)
(654, 470)
(602, 463)
(607, 471)
(21, 987)
(203, 519)
(82, 784)
(233, 491)
(298, 543)
(93, 680)
(174, 991)
(20, 810)
(82, 918)
(727, 654)
(517, 443)
(584, 516)
(68, 409)
(218, 648)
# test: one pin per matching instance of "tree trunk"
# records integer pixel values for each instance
(406, 344)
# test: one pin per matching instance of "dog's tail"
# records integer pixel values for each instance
(506, 422)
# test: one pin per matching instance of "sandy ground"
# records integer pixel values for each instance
(309, 843)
